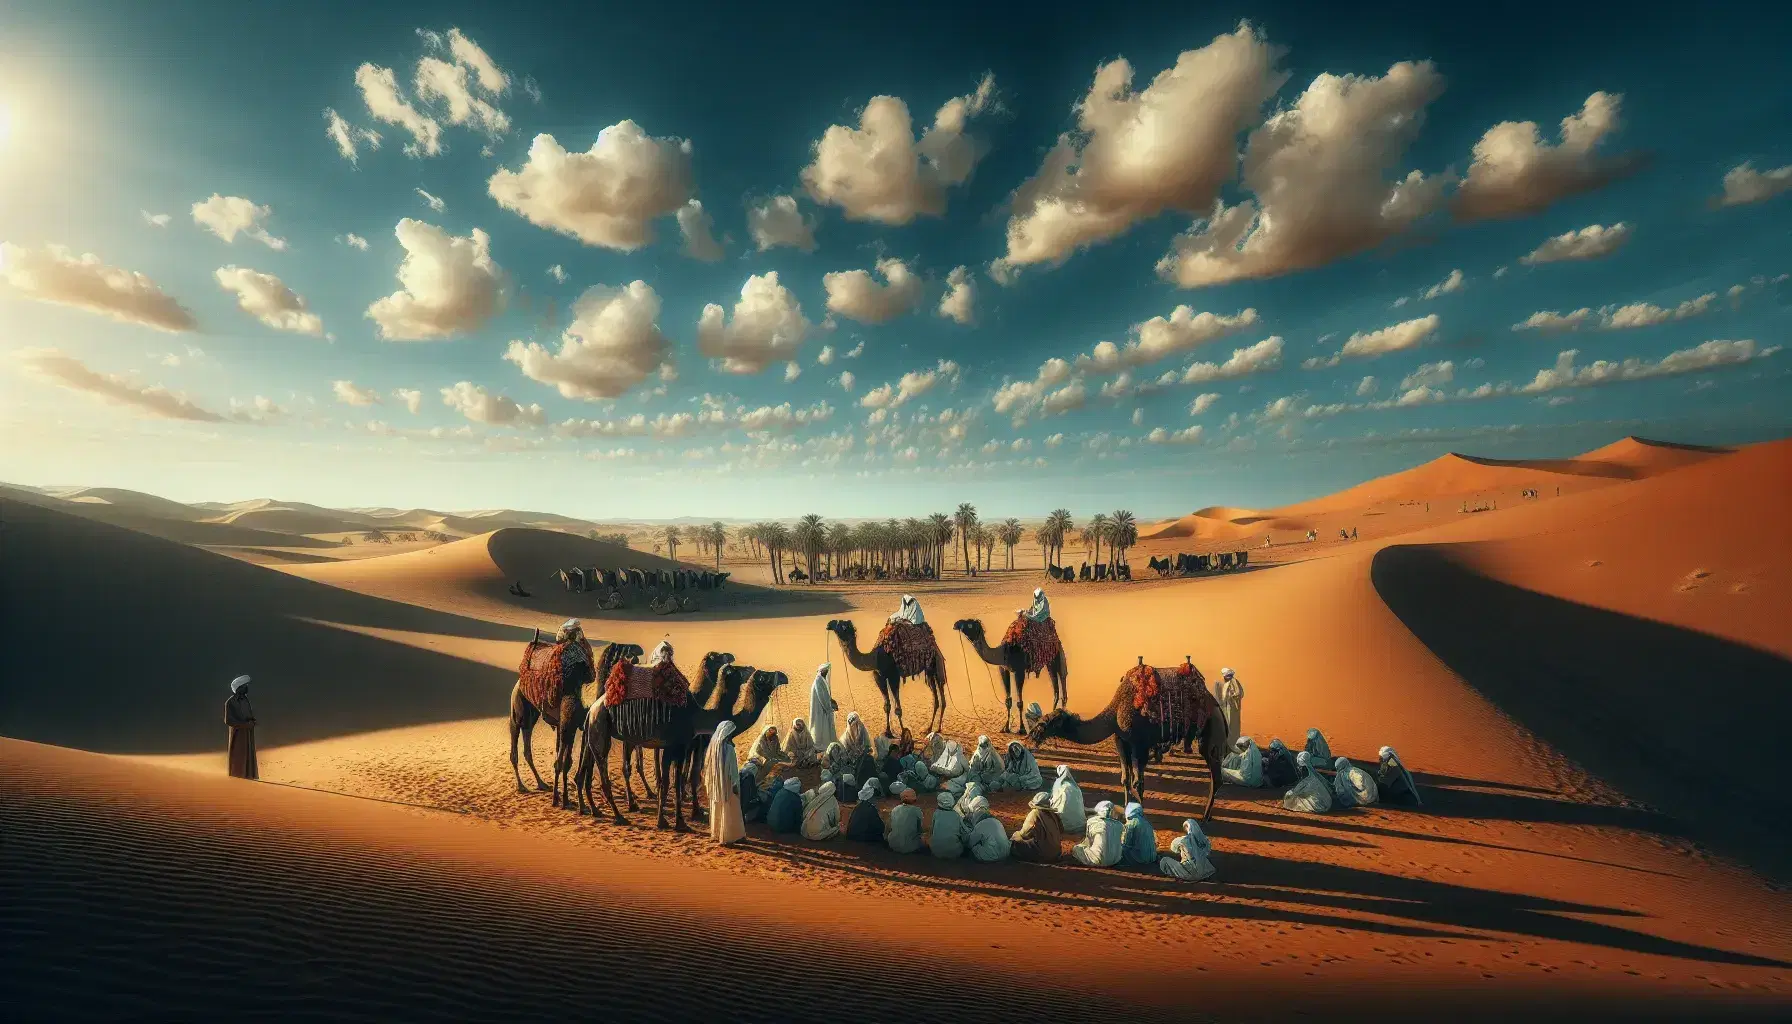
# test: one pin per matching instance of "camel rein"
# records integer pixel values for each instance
(845, 664)
(976, 713)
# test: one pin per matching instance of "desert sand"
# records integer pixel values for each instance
(1587, 687)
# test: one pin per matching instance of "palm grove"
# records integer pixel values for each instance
(815, 549)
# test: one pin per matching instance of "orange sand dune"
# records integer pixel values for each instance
(1220, 522)
(185, 531)
(1644, 458)
(1453, 474)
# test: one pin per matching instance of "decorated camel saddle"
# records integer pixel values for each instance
(911, 646)
(550, 670)
(1039, 640)
(1177, 699)
(660, 681)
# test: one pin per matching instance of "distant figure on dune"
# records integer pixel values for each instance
(822, 707)
(1279, 767)
(1312, 794)
(240, 717)
(1395, 782)
(1230, 695)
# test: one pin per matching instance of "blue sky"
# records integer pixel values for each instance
(1638, 241)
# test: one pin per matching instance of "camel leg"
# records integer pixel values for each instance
(694, 775)
(678, 764)
(522, 721)
(529, 753)
(886, 691)
(630, 752)
(582, 778)
(603, 772)
(1011, 689)
(660, 766)
(895, 691)
(1213, 787)
(515, 727)
(642, 772)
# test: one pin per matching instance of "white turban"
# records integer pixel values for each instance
(852, 716)
(869, 790)
(983, 741)
(1040, 799)
(946, 800)
(1302, 759)
(1245, 741)
(1038, 591)
(1226, 672)
(1386, 752)
(1064, 772)
(661, 653)
(570, 624)
(1035, 711)
(1342, 764)
(237, 684)
(794, 784)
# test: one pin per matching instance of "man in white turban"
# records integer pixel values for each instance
(821, 813)
(799, 746)
(1312, 794)
(721, 778)
(987, 842)
(950, 767)
(662, 652)
(1067, 800)
(239, 717)
(1395, 783)
(1244, 766)
(1230, 694)
(822, 708)
(1100, 847)
(910, 612)
(1042, 608)
(986, 766)
(1351, 786)
(949, 833)
(1188, 859)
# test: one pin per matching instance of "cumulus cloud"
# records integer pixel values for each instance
(450, 84)
(1021, 397)
(353, 241)
(1452, 283)
(826, 358)
(846, 380)
(1617, 318)
(1430, 375)
(558, 273)
(347, 137)
(69, 372)
(713, 414)
(260, 409)
(268, 299)
(449, 285)
(959, 302)
(481, 406)
(1743, 184)
(698, 229)
(879, 172)
(56, 275)
(855, 352)
(767, 327)
(854, 294)
(1589, 243)
(1136, 154)
(607, 196)
(792, 371)
(411, 398)
(912, 384)
(387, 103)
(1396, 338)
(1202, 403)
(349, 393)
(1160, 338)
(776, 221)
(156, 220)
(1710, 355)
(613, 344)
(1366, 386)
(1322, 172)
(1551, 322)
(229, 216)
(1515, 173)
(1264, 355)
(1187, 435)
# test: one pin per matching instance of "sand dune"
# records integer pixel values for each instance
(1644, 458)
(134, 501)
(183, 531)
(275, 519)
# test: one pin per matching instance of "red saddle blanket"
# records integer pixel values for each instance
(1038, 639)
(1175, 698)
(543, 673)
(912, 647)
(662, 682)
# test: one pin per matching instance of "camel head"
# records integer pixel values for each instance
(844, 629)
(1055, 724)
(763, 684)
(971, 628)
(627, 652)
(714, 661)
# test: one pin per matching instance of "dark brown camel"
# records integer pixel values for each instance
(566, 719)
(669, 728)
(1012, 660)
(1136, 737)
(888, 678)
(707, 674)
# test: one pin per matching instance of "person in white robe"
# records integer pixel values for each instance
(1353, 787)
(910, 612)
(903, 834)
(1312, 794)
(1067, 800)
(1032, 715)
(1100, 847)
(1188, 859)
(1244, 766)
(1230, 694)
(822, 708)
(1042, 608)
(662, 652)
(1138, 840)
(987, 842)
(821, 813)
(799, 746)
(1020, 772)
(972, 790)
(857, 739)
(721, 779)
(1321, 750)
(986, 766)
(949, 832)
(1396, 784)
(949, 770)
(768, 752)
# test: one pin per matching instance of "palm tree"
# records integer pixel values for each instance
(809, 536)
(1123, 532)
(1010, 533)
(776, 537)
(672, 539)
(966, 520)
(718, 538)
(940, 527)
(1057, 530)
(1095, 532)
(839, 542)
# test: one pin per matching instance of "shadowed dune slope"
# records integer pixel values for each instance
(117, 641)
(183, 531)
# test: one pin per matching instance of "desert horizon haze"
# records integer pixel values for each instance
(1149, 511)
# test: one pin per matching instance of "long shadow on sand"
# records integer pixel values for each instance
(1636, 702)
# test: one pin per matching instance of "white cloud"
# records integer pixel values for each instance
(612, 344)
(449, 285)
(558, 273)
(912, 384)
(1187, 435)
(1451, 283)
(1550, 321)
(347, 137)
(712, 414)
(481, 406)
(412, 399)
(1430, 375)
(1020, 398)
(846, 380)
(792, 371)
(268, 299)
(436, 203)
(349, 393)
(353, 241)
(698, 229)
(855, 352)
(1515, 173)
(826, 358)
(1707, 356)
(959, 302)
(1365, 387)
(492, 79)
(856, 295)
(437, 79)
(1401, 301)
(379, 88)
(229, 216)
(608, 195)
(1589, 243)
(1744, 184)
(1281, 408)
(1054, 441)
(1617, 318)
(1135, 154)
(1322, 172)
(776, 221)
(878, 171)
(1202, 403)
(1501, 271)
(1395, 338)
(260, 409)
(1264, 355)
(1138, 417)
(1159, 338)
(56, 275)
(156, 220)
(767, 327)
(69, 372)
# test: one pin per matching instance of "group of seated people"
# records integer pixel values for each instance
(1316, 782)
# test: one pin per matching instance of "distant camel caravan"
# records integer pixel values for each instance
(1100, 572)
(1189, 565)
(581, 580)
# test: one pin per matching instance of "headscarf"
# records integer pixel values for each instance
(1019, 763)
(835, 756)
(976, 809)
(1322, 751)
(951, 762)
(663, 652)
(857, 740)
(569, 629)
(1191, 830)
(868, 791)
(799, 743)
(721, 772)
(766, 747)
(1225, 673)
(1041, 799)
(1277, 744)
(1034, 712)
(910, 612)
(972, 792)
(985, 762)
(945, 800)
(934, 748)
(237, 684)
(794, 784)
(1104, 809)
(1042, 608)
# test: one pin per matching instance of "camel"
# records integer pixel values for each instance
(1013, 663)
(885, 674)
(709, 672)
(1137, 737)
(670, 729)
(565, 719)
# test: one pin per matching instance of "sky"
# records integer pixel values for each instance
(620, 262)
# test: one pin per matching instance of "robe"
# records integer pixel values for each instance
(240, 717)
(1320, 751)
(785, 814)
(799, 747)
(821, 711)
(1353, 787)
(1020, 772)
(721, 780)
(1311, 795)
(1188, 860)
(1040, 839)
(914, 774)
(1042, 609)
(766, 752)
(1244, 768)
(949, 834)
(1138, 840)
(951, 764)
(856, 741)
(1067, 800)
(904, 832)
(1231, 698)
(910, 612)
(752, 803)
(865, 824)
(1395, 783)
(1100, 847)
(987, 842)
(1279, 769)
(986, 766)
(821, 813)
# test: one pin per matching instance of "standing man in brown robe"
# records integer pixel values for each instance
(240, 717)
